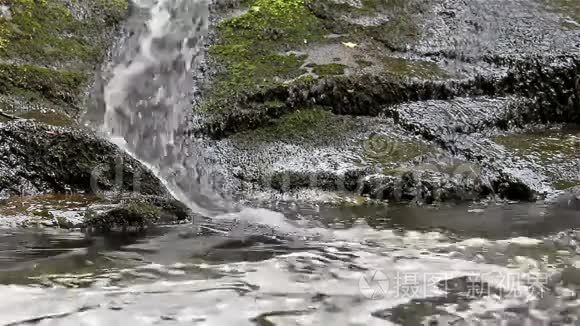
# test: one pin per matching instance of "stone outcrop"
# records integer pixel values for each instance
(296, 104)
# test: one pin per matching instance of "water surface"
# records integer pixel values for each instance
(358, 266)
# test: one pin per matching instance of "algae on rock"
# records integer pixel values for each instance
(49, 49)
(570, 8)
(331, 69)
(557, 152)
(405, 68)
(305, 124)
(252, 47)
(132, 214)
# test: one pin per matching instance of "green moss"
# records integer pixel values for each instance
(397, 32)
(43, 213)
(272, 25)
(556, 151)
(114, 10)
(53, 118)
(405, 68)
(47, 33)
(143, 210)
(36, 31)
(565, 184)
(390, 152)
(306, 79)
(331, 69)
(569, 8)
(137, 214)
(547, 145)
(40, 34)
(311, 124)
(56, 85)
(250, 47)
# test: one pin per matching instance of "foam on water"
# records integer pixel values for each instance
(261, 216)
(312, 288)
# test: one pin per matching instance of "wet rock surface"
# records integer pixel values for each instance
(92, 213)
(136, 213)
(39, 159)
(456, 77)
(385, 101)
(48, 52)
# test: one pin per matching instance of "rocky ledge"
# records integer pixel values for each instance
(414, 101)
(100, 185)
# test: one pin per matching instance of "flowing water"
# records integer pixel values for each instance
(148, 96)
(413, 266)
(488, 264)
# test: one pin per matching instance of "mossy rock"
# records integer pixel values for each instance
(391, 152)
(61, 87)
(406, 68)
(49, 50)
(547, 146)
(46, 159)
(49, 33)
(397, 27)
(556, 151)
(129, 215)
(251, 48)
(569, 8)
(258, 49)
(308, 124)
(136, 212)
(170, 210)
(331, 69)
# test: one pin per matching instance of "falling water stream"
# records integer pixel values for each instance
(461, 265)
(149, 94)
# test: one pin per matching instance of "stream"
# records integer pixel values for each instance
(438, 266)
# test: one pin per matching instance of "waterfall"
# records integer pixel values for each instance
(148, 96)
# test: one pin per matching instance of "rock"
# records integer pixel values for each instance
(89, 211)
(305, 104)
(170, 209)
(49, 50)
(132, 214)
(414, 101)
(568, 200)
(41, 159)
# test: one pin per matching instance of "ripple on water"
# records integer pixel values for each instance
(354, 276)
